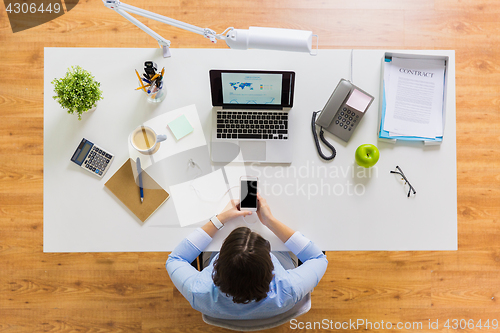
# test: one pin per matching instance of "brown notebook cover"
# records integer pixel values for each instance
(125, 188)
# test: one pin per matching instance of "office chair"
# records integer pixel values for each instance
(247, 325)
(303, 306)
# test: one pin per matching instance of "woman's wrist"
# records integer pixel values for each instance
(271, 221)
(210, 228)
(223, 218)
(282, 231)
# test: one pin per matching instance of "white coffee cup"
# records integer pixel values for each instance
(144, 139)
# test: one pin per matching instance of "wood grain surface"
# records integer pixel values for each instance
(131, 292)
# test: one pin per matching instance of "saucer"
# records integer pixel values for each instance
(154, 151)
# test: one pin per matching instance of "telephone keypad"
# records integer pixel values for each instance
(346, 119)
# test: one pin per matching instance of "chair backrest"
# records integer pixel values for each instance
(303, 306)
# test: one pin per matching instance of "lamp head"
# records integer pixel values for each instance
(270, 39)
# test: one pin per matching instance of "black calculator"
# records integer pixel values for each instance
(92, 158)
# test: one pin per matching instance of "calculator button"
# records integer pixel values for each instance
(336, 122)
(341, 124)
(344, 109)
(108, 156)
(340, 117)
(345, 127)
(350, 128)
(96, 170)
(342, 113)
(350, 118)
(347, 122)
(100, 173)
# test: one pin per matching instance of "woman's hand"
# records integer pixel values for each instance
(263, 211)
(282, 231)
(231, 211)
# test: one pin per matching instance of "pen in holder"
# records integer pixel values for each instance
(157, 93)
(151, 83)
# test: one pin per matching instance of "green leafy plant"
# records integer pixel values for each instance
(78, 91)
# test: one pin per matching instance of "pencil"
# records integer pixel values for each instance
(140, 81)
(147, 85)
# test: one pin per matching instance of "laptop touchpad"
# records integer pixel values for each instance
(253, 150)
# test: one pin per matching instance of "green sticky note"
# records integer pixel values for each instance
(180, 127)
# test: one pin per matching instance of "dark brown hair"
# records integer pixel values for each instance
(244, 268)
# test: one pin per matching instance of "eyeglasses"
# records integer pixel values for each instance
(400, 172)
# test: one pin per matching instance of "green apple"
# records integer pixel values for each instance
(367, 155)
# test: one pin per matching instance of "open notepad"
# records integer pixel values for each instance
(123, 185)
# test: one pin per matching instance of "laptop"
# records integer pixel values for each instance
(250, 118)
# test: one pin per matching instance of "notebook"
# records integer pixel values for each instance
(123, 185)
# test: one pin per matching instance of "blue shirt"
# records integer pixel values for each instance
(287, 287)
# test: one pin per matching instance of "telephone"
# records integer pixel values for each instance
(341, 115)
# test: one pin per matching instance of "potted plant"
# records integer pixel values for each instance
(78, 91)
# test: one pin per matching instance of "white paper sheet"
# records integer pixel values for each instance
(414, 97)
(198, 200)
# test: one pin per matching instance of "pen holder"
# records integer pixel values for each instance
(156, 94)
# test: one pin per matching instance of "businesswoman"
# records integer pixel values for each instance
(245, 280)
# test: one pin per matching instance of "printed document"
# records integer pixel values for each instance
(414, 97)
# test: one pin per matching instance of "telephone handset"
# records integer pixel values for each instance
(341, 114)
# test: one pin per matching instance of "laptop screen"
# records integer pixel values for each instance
(252, 89)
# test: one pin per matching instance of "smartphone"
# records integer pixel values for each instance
(248, 193)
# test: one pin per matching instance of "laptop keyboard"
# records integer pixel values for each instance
(252, 125)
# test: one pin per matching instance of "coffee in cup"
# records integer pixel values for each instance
(144, 139)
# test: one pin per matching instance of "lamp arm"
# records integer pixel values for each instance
(162, 41)
(123, 9)
(161, 18)
(254, 37)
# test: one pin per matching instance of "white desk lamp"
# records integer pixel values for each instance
(254, 37)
